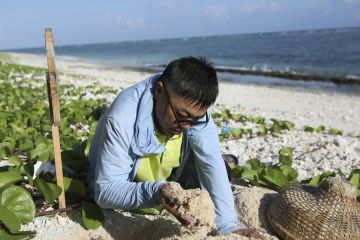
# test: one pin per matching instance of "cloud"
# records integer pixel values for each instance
(259, 6)
(216, 11)
(124, 23)
(167, 4)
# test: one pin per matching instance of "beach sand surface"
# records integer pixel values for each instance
(333, 107)
(314, 153)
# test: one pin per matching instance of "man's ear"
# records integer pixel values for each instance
(159, 88)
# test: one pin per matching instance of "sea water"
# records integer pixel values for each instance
(323, 54)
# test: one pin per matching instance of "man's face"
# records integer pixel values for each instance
(174, 114)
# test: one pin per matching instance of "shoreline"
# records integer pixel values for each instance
(288, 75)
(335, 82)
(303, 106)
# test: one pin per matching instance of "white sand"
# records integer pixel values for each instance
(126, 226)
(301, 106)
(195, 205)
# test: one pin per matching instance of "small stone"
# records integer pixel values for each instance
(61, 220)
(340, 142)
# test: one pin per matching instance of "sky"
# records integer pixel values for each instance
(22, 22)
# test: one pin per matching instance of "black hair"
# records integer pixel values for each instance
(193, 79)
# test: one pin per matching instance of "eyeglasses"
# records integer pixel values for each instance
(182, 122)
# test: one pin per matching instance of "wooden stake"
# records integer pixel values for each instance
(54, 112)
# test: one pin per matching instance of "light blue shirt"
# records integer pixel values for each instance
(126, 132)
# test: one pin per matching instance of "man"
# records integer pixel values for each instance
(160, 129)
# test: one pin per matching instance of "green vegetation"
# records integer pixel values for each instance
(334, 131)
(281, 174)
(25, 139)
(277, 127)
(312, 129)
(262, 127)
(274, 176)
(5, 57)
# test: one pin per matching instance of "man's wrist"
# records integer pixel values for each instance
(159, 193)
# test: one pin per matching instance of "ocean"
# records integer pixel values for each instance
(330, 55)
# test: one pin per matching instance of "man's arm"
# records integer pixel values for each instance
(113, 188)
(212, 173)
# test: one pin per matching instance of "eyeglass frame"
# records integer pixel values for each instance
(184, 122)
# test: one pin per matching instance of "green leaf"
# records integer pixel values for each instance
(9, 219)
(216, 115)
(225, 114)
(18, 201)
(342, 175)
(354, 171)
(315, 181)
(247, 131)
(255, 163)
(8, 147)
(23, 235)
(275, 177)
(232, 165)
(308, 129)
(74, 186)
(259, 120)
(354, 177)
(48, 177)
(74, 159)
(9, 177)
(27, 145)
(236, 132)
(237, 171)
(262, 130)
(92, 215)
(325, 175)
(287, 125)
(41, 151)
(285, 155)
(236, 117)
(250, 174)
(50, 191)
(289, 172)
(15, 160)
(334, 131)
(320, 128)
(276, 128)
(28, 169)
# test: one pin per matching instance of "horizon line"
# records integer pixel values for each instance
(189, 37)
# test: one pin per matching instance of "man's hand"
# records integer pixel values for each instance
(171, 204)
(250, 232)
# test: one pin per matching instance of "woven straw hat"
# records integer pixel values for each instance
(326, 212)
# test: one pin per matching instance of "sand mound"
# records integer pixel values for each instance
(250, 204)
(195, 204)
